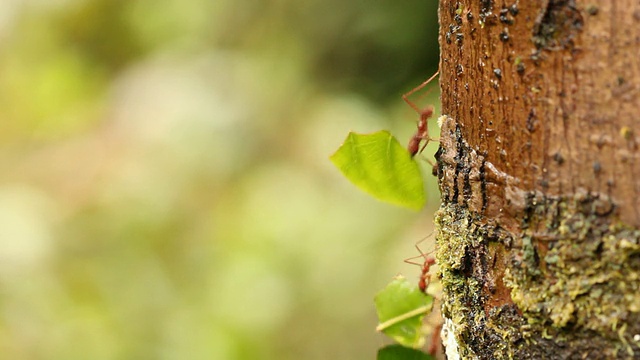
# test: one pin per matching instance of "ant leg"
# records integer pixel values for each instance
(429, 161)
(422, 255)
(424, 135)
(421, 241)
(424, 158)
(419, 87)
(405, 97)
(428, 139)
(409, 260)
(424, 146)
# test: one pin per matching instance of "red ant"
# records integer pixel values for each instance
(425, 277)
(422, 134)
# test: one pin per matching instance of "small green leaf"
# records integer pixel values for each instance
(401, 307)
(379, 165)
(399, 352)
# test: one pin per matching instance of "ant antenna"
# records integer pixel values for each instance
(405, 97)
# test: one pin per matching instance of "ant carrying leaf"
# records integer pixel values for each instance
(422, 133)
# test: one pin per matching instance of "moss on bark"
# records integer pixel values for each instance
(572, 272)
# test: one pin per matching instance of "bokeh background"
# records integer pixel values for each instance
(166, 192)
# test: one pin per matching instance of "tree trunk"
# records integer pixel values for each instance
(539, 169)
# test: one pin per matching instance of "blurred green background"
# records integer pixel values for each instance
(166, 191)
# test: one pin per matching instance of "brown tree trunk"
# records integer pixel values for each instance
(539, 169)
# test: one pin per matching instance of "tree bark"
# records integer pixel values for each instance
(539, 169)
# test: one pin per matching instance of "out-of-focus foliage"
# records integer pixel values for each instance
(166, 192)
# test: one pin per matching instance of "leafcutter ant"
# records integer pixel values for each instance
(425, 279)
(425, 276)
(422, 134)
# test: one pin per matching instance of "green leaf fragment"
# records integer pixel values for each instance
(398, 352)
(401, 308)
(378, 164)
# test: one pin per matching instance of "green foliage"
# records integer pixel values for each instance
(399, 352)
(379, 165)
(401, 307)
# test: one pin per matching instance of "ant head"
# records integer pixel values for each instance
(426, 113)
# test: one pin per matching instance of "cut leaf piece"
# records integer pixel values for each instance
(401, 308)
(399, 352)
(379, 165)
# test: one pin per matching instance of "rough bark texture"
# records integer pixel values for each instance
(539, 169)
